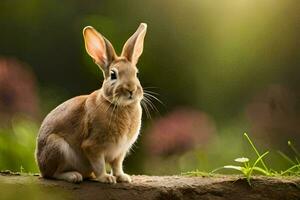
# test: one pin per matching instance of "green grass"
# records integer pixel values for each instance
(17, 146)
(247, 168)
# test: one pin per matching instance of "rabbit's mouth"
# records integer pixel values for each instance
(125, 100)
(124, 97)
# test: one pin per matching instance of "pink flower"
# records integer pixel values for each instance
(179, 131)
(17, 89)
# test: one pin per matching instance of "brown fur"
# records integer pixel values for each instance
(78, 132)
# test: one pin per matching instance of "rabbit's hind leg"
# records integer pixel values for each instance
(72, 176)
(68, 168)
(62, 160)
(49, 155)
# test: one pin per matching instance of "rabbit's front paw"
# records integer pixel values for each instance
(106, 178)
(123, 178)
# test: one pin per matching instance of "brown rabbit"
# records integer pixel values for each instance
(79, 136)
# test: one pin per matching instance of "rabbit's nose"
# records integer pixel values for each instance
(131, 90)
(130, 93)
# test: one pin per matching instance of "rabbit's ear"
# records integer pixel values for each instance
(98, 47)
(133, 48)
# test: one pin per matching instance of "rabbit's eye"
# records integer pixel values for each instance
(113, 75)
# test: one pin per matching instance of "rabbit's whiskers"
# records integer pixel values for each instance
(108, 107)
(151, 94)
(115, 103)
(147, 102)
(144, 105)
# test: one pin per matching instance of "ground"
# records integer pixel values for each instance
(14, 186)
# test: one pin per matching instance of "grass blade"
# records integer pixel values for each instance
(286, 157)
(257, 153)
(254, 165)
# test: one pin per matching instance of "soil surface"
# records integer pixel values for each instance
(14, 186)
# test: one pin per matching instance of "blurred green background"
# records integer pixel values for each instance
(221, 68)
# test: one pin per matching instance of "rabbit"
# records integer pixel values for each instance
(78, 137)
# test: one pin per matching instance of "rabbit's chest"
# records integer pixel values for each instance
(123, 124)
(118, 133)
(123, 138)
(120, 146)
